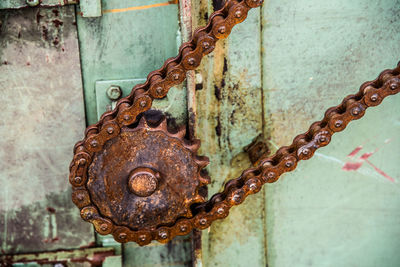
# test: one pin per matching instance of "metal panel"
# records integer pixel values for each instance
(330, 212)
(120, 48)
(229, 107)
(43, 115)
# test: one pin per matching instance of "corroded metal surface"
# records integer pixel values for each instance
(268, 170)
(112, 123)
(149, 171)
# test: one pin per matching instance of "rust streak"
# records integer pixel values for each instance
(117, 10)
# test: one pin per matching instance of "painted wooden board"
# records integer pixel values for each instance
(42, 118)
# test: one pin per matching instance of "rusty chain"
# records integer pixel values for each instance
(235, 191)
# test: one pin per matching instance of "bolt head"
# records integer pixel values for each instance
(143, 103)
(206, 45)
(289, 164)
(305, 151)
(104, 227)
(236, 198)
(80, 197)
(127, 117)
(159, 90)
(253, 186)
(110, 130)
(238, 14)
(271, 175)
(203, 221)
(32, 3)
(176, 76)
(163, 235)
(142, 238)
(220, 211)
(191, 61)
(374, 97)
(122, 236)
(183, 228)
(338, 123)
(114, 92)
(82, 161)
(356, 111)
(143, 182)
(94, 143)
(394, 86)
(222, 29)
(78, 179)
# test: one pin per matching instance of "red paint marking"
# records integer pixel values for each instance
(355, 151)
(352, 166)
(365, 156)
(380, 171)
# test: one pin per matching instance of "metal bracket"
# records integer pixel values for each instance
(103, 101)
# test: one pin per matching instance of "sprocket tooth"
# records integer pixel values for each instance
(193, 145)
(204, 179)
(202, 161)
(180, 134)
(143, 123)
(163, 125)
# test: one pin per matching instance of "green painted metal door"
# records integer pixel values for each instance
(276, 74)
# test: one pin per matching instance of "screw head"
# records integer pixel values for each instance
(203, 221)
(374, 97)
(322, 139)
(127, 117)
(78, 179)
(82, 161)
(32, 3)
(114, 92)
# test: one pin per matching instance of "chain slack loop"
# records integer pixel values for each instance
(236, 190)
